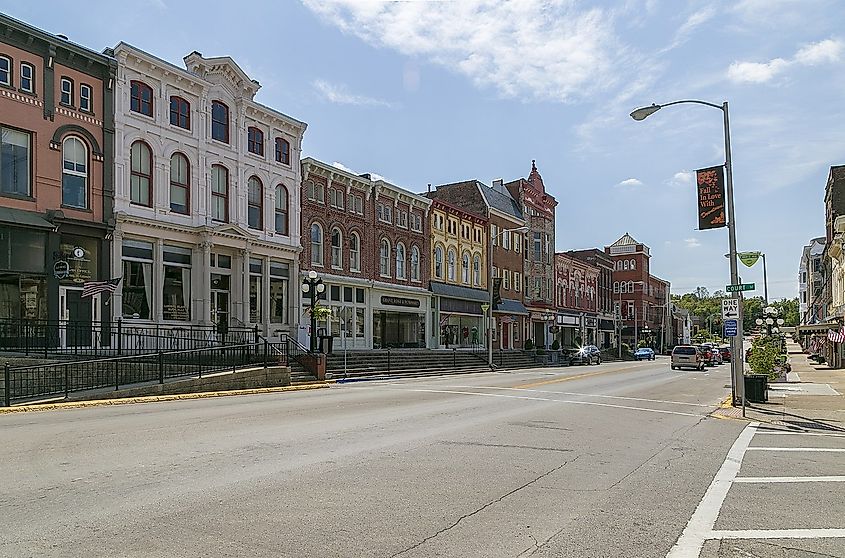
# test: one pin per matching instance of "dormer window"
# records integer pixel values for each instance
(219, 121)
(255, 141)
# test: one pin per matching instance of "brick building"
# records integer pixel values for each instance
(538, 209)
(366, 239)
(605, 319)
(576, 300)
(56, 178)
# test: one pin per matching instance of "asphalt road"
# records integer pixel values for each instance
(598, 461)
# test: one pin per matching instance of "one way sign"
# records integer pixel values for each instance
(730, 309)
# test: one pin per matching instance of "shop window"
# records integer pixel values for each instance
(279, 280)
(255, 203)
(74, 173)
(256, 270)
(180, 184)
(15, 162)
(316, 244)
(141, 177)
(354, 252)
(359, 295)
(219, 193)
(176, 290)
(281, 210)
(347, 294)
(137, 285)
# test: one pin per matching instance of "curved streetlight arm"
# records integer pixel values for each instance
(695, 101)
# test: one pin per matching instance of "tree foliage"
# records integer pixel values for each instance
(704, 305)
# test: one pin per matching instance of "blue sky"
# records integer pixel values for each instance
(437, 92)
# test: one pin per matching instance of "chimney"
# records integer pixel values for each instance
(499, 185)
(429, 187)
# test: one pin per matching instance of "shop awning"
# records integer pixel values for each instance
(817, 328)
(23, 218)
(509, 306)
(456, 291)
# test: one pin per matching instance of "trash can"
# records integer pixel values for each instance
(326, 344)
(756, 388)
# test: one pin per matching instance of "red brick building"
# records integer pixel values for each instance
(576, 299)
(366, 239)
(605, 321)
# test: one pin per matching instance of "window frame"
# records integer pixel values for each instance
(282, 151)
(140, 175)
(277, 210)
(177, 114)
(451, 263)
(439, 254)
(31, 78)
(8, 71)
(89, 99)
(226, 125)
(250, 183)
(218, 195)
(401, 258)
(139, 87)
(255, 140)
(29, 165)
(316, 255)
(415, 263)
(354, 252)
(337, 249)
(186, 186)
(74, 172)
(384, 258)
(62, 81)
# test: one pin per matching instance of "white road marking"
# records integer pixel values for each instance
(829, 450)
(780, 534)
(700, 525)
(569, 401)
(781, 433)
(789, 479)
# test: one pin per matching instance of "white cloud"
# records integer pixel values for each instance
(338, 93)
(631, 182)
(686, 29)
(813, 54)
(692, 242)
(532, 49)
(682, 179)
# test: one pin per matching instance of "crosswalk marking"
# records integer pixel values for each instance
(760, 480)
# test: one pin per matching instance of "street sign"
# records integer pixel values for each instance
(740, 287)
(730, 328)
(730, 308)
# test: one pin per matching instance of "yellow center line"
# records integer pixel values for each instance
(569, 378)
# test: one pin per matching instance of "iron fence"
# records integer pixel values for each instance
(80, 339)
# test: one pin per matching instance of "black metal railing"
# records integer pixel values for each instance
(25, 383)
(291, 351)
(122, 337)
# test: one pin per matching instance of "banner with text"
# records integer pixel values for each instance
(711, 197)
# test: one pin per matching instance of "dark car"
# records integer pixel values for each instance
(586, 355)
(644, 353)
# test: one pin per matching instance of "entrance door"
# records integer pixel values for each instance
(77, 317)
(540, 334)
(506, 335)
(220, 311)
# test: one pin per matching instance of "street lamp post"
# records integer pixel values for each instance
(737, 376)
(489, 311)
(313, 286)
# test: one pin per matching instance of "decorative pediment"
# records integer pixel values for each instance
(223, 71)
(233, 231)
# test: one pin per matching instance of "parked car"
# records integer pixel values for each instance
(707, 352)
(726, 353)
(716, 356)
(644, 353)
(587, 354)
(687, 356)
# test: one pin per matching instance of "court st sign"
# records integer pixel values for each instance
(739, 288)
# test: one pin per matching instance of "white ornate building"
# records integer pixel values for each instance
(206, 197)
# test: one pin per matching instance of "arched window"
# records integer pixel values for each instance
(384, 267)
(400, 261)
(337, 251)
(282, 151)
(141, 177)
(180, 190)
(415, 263)
(74, 173)
(180, 112)
(354, 252)
(255, 141)
(616, 286)
(141, 98)
(316, 244)
(625, 265)
(630, 286)
(219, 121)
(465, 268)
(255, 203)
(476, 270)
(281, 209)
(633, 264)
(219, 193)
(438, 262)
(450, 263)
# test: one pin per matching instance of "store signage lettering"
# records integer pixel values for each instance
(398, 301)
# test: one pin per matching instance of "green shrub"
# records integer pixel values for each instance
(556, 345)
(765, 353)
(529, 344)
(541, 351)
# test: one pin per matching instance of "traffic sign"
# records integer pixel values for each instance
(730, 328)
(730, 308)
(740, 287)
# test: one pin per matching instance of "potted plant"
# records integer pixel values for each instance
(529, 345)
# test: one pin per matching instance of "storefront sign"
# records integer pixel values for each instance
(568, 320)
(399, 301)
(61, 269)
(590, 322)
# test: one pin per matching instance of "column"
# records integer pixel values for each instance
(157, 310)
(116, 300)
(203, 300)
(265, 295)
(243, 288)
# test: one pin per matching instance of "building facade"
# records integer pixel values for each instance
(538, 209)
(56, 179)
(367, 241)
(606, 320)
(576, 299)
(206, 197)
(815, 311)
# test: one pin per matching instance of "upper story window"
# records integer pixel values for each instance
(5, 71)
(255, 141)
(141, 98)
(416, 222)
(316, 244)
(219, 121)
(281, 210)
(337, 249)
(384, 258)
(355, 204)
(465, 269)
(403, 218)
(626, 265)
(633, 264)
(15, 162)
(66, 96)
(400, 261)
(282, 151)
(354, 252)
(74, 173)
(438, 262)
(415, 263)
(476, 271)
(141, 174)
(27, 77)
(85, 97)
(336, 198)
(180, 174)
(180, 113)
(451, 262)
(219, 193)
(255, 203)
(315, 191)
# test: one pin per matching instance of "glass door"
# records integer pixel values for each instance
(220, 311)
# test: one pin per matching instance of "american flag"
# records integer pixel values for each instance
(90, 288)
(837, 336)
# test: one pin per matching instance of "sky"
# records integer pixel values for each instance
(437, 92)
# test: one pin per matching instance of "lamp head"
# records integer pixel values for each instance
(312, 274)
(645, 112)
(305, 288)
(320, 287)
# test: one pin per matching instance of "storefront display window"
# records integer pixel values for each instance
(256, 268)
(80, 252)
(279, 279)
(398, 330)
(137, 279)
(176, 291)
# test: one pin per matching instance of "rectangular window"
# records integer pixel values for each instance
(180, 113)
(27, 77)
(137, 279)
(494, 234)
(219, 193)
(219, 121)
(66, 97)
(15, 162)
(282, 151)
(359, 296)
(336, 198)
(85, 98)
(538, 247)
(176, 290)
(403, 219)
(279, 278)
(506, 280)
(255, 141)
(347, 294)
(5, 71)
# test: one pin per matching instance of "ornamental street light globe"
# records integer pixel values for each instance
(305, 287)
(312, 274)
(758, 321)
(780, 321)
(321, 287)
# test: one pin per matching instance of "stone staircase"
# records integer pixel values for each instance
(514, 360)
(404, 363)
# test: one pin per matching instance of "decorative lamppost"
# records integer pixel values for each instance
(313, 286)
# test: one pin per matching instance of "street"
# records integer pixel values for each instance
(609, 460)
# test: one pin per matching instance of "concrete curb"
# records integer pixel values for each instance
(155, 398)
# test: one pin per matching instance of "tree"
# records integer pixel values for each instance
(788, 310)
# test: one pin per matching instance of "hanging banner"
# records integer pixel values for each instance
(711, 198)
(749, 258)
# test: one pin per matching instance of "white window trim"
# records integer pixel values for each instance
(31, 77)
(9, 71)
(88, 99)
(62, 91)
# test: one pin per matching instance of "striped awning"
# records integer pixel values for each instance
(817, 328)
